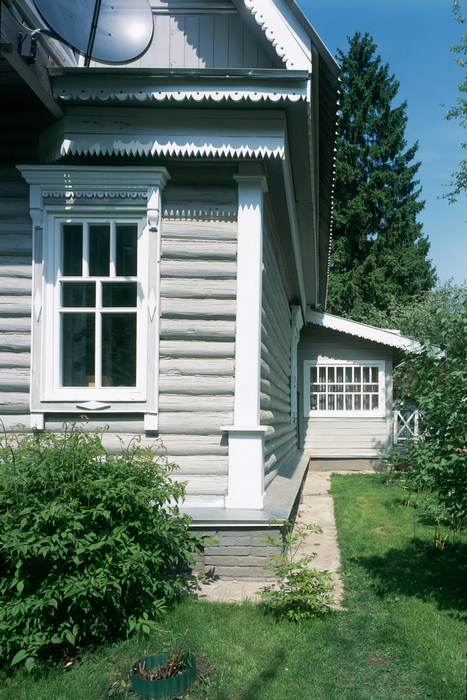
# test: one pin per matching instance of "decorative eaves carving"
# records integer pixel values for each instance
(109, 95)
(282, 30)
(361, 330)
(89, 194)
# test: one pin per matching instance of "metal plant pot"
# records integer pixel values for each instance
(165, 688)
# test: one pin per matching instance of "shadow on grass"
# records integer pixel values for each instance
(423, 571)
(265, 677)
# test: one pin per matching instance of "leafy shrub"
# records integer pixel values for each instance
(438, 459)
(91, 543)
(304, 592)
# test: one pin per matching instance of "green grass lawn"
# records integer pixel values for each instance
(403, 634)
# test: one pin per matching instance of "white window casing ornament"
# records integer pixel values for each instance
(96, 268)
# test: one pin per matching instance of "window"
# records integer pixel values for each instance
(350, 389)
(95, 289)
(98, 279)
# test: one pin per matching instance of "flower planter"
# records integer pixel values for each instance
(164, 688)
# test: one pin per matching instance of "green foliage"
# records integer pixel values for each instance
(90, 542)
(439, 459)
(459, 183)
(378, 249)
(418, 318)
(304, 592)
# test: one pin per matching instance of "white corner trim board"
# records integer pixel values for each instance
(246, 467)
(246, 436)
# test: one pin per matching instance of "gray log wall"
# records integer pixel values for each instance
(276, 342)
(344, 436)
(15, 297)
(197, 346)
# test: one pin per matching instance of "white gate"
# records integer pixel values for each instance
(405, 424)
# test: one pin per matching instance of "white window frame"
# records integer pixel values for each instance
(328, 362)
(78, 194)
(52, 370)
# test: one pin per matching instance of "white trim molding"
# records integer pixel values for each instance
(246, 436)
(280, 26)
(163, 132)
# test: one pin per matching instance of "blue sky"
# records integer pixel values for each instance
(414, 36)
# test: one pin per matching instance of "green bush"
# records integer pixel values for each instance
(438, 459)
(92, 544)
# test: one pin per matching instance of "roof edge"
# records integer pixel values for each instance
(393, 338)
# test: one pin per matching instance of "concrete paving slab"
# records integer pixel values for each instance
(317, 507)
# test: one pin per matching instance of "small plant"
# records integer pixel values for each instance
(91, 543)
(304, 592)
(392, 460)
(176, 663)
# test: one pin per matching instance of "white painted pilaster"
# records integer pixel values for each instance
(246, 436)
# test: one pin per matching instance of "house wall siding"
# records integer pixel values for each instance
(197, 340)
(276, 342)
(344, 436)
(15, 296)
(201, 35)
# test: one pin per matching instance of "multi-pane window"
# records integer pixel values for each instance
(98, 287)
(344, 387)
(95, 290)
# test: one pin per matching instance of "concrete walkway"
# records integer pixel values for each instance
(317, 507)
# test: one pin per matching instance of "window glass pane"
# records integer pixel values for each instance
(366, 375)
(348, 402)
(366, 402)
(99, 250)
(374, 402)
(127, 237)
(322, 375)
(355, 388)
(340, 375)
(313, 375)
(331, 402)
(374, 375)
(331, 374)
(313, 402)
(340, 402)
(78, 294)
(348, 375)
(370, 387)
(119, 294)
(357, 374)
(72, 250)
(357, 402)
(322, 402)
(119, 349)
(336, 387)
(78, 345)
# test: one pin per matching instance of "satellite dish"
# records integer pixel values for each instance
(109, 31)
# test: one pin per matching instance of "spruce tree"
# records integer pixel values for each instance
(378, 249)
